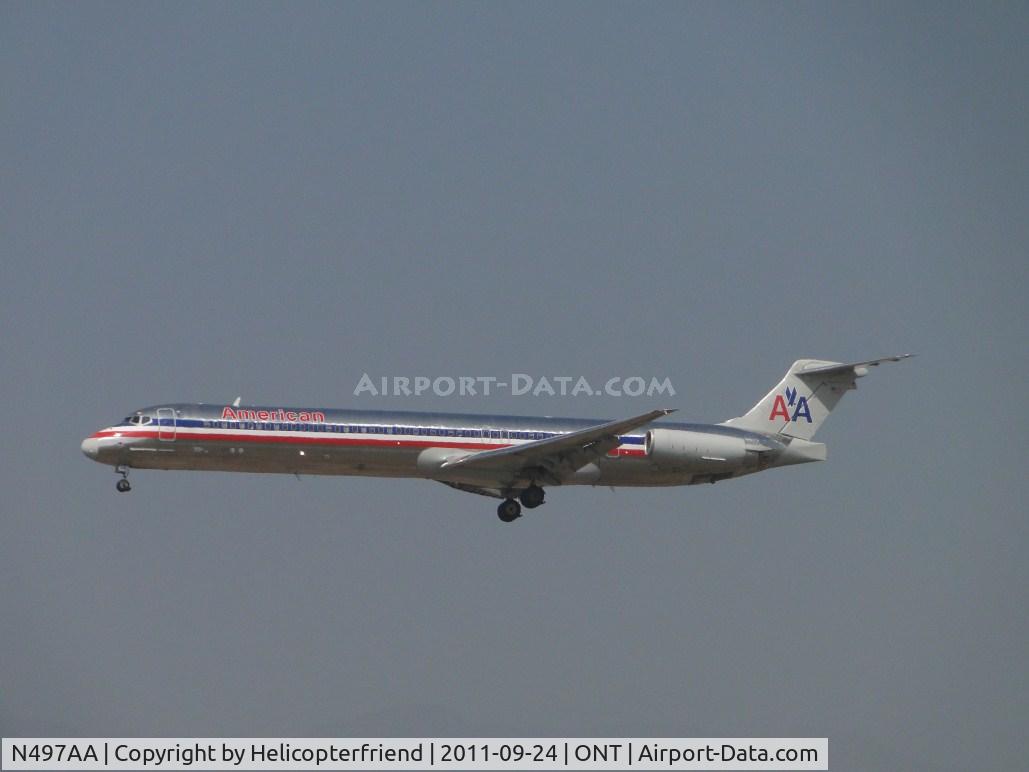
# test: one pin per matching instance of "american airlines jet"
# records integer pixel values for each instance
(510, 458)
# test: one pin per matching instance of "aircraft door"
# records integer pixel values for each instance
(165, 424)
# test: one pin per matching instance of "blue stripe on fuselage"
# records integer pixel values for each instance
(404, 430)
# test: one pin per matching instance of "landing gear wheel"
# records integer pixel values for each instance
(123, 486)
(532, 497)
(509, 510)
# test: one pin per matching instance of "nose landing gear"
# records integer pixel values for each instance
(123, 485)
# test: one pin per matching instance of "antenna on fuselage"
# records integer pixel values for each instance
(236, 401)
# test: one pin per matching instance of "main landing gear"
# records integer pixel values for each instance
(510, 510)
(123, 484)
(532, 497)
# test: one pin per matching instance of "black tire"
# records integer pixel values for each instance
(509, 510)
(532, 497)
(123, 486)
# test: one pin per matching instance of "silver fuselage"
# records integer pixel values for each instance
(405, 444)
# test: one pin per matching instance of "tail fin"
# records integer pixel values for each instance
(805, 396)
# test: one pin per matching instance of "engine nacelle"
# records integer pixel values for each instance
(696, 451)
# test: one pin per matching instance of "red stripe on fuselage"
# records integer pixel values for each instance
(262, 439)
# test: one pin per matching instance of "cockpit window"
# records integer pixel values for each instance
(137, 420)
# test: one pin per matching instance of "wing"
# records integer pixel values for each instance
(554, 459)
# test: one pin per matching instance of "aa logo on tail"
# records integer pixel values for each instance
(780, 408)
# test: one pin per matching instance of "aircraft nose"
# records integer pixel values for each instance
(91, 447)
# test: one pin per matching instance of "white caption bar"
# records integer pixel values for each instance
(413, 753)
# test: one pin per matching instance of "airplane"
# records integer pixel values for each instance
(511, 458)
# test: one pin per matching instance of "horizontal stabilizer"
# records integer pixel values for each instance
(858, 369)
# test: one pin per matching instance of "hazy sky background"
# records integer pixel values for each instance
(211, 200)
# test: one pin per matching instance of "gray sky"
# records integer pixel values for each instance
(213, 200)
